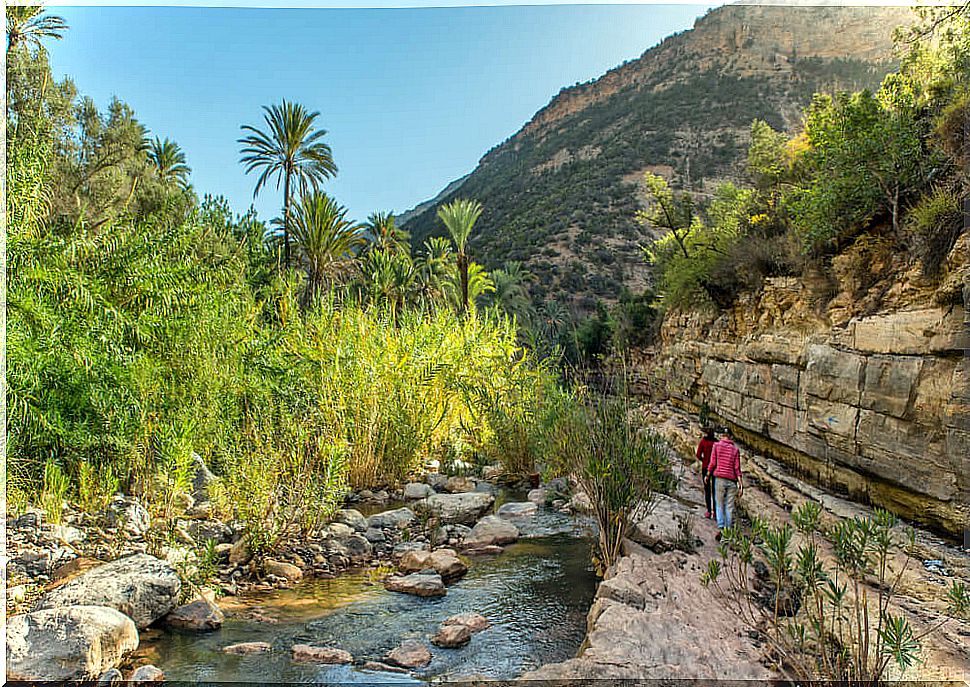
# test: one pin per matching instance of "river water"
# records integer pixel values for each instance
(536, 595)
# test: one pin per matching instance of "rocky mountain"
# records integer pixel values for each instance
(561, 194)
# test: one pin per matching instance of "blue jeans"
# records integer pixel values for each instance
(725, 491)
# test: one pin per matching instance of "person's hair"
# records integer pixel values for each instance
(726, 431)
(708, 432)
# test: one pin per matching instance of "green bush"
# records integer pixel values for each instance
(934, 224)
(618, 464)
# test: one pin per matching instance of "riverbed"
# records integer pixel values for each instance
(536, 595)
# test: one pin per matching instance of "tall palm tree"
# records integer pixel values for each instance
(169, 161)
(459, 217)
(290, 150)
(325, 240)
(29, 24)
(385, 235)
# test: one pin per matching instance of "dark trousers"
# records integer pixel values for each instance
(709, 493)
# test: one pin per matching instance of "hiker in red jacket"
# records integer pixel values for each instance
(725, 466)
(704, 455)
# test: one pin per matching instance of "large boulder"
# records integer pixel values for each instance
(147, 673)
(204, 530)
(397, 518)
(200, 615)
(417, 490)
(491, 530)
(142, 587)
(418, 584)
(73, 643)
(460, 508)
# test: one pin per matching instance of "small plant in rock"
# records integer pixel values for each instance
(685, 540)
(823, 605)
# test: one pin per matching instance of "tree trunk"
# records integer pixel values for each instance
(463, 275)
(286, 219)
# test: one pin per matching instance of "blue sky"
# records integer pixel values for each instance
(411, 98)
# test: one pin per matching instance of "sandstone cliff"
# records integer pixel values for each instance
(873, 402)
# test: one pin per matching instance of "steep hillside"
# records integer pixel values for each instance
(561, 194)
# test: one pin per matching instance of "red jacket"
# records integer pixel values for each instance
(726, 460)
(704, 452)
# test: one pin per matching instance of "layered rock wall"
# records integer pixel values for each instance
(877, 407)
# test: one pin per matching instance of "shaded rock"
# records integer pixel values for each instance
(491, 530)
(353, 518)
(245, 648)
(475, 622)
(75, 567)
(456, 508)
(147, 673)
(580, 503)
(70, 643)
(410, 654)
(198, 616)
(660, 529)
(397, 518)
(516, 510)
(537, 496)
(127, 514)
(32, 519)
(418, 584)
(203, 531)
(452, 636)
(374, 535)
(110, 677)
(287, 571)
(320, 654)
(358, 547)
(417, 490)
(436, 480)
(240, 554)
(459, 485)
(142, 587)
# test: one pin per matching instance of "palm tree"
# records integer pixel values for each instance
(459, 217)
(385, 235)
(325, 240)
(289, 151)
(28, 24)
(169, 161)
(432, 270)
(510, 289)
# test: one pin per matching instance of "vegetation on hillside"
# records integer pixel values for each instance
(887, 166)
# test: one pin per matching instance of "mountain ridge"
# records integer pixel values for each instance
(561, 194)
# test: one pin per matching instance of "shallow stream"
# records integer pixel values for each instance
(536, 595)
